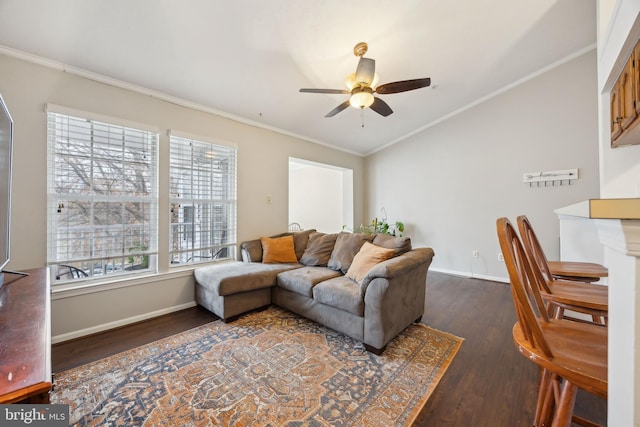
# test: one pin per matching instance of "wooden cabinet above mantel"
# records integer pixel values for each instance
(625, 103)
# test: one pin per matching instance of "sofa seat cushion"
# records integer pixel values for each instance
(235, 277)
(302, 280)
(340, 292)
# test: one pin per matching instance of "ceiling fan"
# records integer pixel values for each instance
(363, 84)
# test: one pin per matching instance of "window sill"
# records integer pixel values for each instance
(69, 290)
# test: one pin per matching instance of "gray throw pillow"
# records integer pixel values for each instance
(318, 249)
(346, 247)
(399, 245)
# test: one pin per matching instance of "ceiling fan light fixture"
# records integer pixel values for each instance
(361, 98)
(350, 81)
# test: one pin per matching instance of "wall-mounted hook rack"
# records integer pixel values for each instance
(550, 178)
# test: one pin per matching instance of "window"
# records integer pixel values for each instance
(203, 201)
(102, 197)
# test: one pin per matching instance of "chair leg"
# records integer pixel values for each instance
(564, 411)
(543, 394)
(551, 398)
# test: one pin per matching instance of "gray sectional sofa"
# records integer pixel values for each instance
(383, 301)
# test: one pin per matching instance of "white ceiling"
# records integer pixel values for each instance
(249, 58)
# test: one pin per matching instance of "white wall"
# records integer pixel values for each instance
(452, 181)
(263, 158)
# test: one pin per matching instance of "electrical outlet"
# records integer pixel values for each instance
(475, 254)
(500, 256)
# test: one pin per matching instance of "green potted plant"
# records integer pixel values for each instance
(381, 226)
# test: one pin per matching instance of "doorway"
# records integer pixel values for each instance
(320, 196)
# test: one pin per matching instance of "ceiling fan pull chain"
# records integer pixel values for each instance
(362, 116)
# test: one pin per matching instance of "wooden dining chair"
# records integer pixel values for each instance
(565, 270)
(581, 297)
(571, 355)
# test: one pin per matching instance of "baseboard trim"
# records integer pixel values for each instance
(470, 275)
(119, 323)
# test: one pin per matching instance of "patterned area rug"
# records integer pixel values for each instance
(271, 368)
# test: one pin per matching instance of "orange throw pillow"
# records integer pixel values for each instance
(278, 250)
(368, 256)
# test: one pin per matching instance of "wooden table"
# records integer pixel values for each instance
(25, 338)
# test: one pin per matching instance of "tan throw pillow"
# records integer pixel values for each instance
(368, 256)
(278, 250)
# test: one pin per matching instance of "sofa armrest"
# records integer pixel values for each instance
(394, 296)
(398, 266)
(251, 251)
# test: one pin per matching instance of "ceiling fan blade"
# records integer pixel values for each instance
(402, 86)
(339, 108)
(381, 107)
(338, 91)
(365, 71)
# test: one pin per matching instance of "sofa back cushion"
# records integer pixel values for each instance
(318, 249)
(399, 245)
(251, 250)
(368, 256)
(278, 250)
(346, 247)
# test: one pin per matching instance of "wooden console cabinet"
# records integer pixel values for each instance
(25, 338)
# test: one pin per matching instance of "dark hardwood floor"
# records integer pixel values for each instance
(488, 383)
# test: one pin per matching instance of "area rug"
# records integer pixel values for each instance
(270, 368)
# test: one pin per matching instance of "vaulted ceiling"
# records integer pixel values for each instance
(248, 58)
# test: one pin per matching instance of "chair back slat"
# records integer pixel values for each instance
(534, 251)
(529, 305)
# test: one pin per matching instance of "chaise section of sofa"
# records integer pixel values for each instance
(231, 289)
(333, 283)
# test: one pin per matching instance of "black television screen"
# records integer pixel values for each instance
(6, 142)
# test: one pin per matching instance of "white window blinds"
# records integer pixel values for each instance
(203, 201)
(102, 198)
